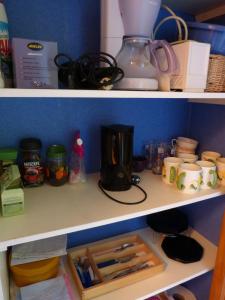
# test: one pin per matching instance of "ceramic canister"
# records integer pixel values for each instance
(170, 169)
(220, 163)
(189, 178)
(210, 156)
(209, 175)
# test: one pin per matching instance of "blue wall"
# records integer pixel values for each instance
(74, 24)
(55, 120)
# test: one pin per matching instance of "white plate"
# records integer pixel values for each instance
(180, 290)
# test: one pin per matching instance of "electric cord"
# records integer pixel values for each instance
(122, 202)
(172, 18)
(89, 71)
(177, 22)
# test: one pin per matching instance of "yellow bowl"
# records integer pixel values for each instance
(34, 272)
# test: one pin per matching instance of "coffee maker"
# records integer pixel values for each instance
(116, 157)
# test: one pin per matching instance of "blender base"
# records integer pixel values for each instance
(137, 84)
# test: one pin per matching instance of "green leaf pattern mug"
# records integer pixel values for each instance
(170, 169)
(189, 178)
(209, 174)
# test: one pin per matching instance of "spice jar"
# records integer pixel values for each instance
(56, 167)
(161, 152)
(32, 170)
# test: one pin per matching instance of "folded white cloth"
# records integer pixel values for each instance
(52, 289)
(39, 250)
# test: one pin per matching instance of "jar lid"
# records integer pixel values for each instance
(7, 154)
(56, 151)
(30, 144)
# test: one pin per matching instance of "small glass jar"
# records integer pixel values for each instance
(161, 151)
(56, 165)
(31, 166)
(149, 154)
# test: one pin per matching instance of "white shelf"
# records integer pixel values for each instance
(47, 93)
(208, 101)
(51, 211)
(175, 273)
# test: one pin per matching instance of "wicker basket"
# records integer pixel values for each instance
(216, 74)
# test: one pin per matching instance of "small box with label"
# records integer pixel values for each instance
(12, 202)
(12, 195)
(33, 64)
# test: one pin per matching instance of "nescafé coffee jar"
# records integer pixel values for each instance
(56, 165)
(31, 166)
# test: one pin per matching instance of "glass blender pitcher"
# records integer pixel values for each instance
(138, 56)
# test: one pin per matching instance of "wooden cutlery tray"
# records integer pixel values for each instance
(111, 261)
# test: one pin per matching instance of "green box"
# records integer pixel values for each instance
(12, 195)
(12, 202)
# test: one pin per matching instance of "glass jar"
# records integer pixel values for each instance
(161, 151)
(149, 148)
(56, 166)
(31, 166)
(134, 60)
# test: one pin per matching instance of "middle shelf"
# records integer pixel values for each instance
(51, 211)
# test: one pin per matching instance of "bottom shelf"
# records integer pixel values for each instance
(174, 274)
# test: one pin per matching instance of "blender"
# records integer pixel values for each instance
(138, 57)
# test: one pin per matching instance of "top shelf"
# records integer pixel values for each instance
(216, 98)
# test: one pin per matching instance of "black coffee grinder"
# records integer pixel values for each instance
(116, 157)
(116, 161)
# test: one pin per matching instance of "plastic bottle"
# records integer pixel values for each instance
(77, 167)
(5, 66)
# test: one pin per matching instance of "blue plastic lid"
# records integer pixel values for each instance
(206, 26)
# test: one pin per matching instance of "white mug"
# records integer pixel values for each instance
(220, 163)
(209, 175)
(189, 178)
(210, 156)
(170, 169)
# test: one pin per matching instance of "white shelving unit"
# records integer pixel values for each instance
(54, 211)
(210, 98)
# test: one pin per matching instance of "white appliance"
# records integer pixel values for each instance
(193, 59)
(112, 30)
(138, 55)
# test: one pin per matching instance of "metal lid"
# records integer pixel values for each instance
(56, 151)
(30, 144)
